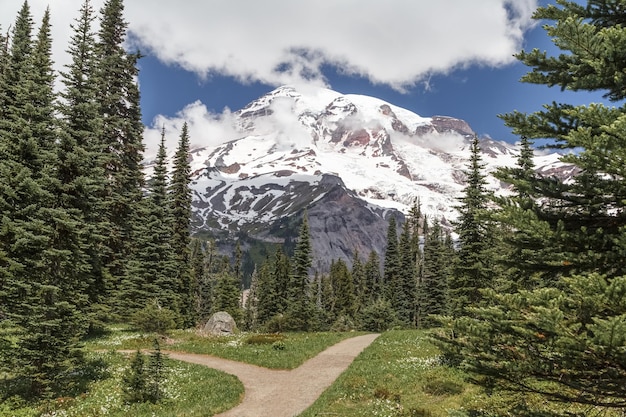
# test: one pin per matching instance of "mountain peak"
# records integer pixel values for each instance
(311, 147)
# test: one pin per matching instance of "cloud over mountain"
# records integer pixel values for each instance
(396, 42)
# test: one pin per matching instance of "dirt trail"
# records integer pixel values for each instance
(280, 393)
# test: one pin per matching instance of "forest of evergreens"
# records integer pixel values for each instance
(526, 292)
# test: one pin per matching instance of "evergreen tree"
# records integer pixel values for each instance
(373, 279)
(251, 303)
(405, 299)
(391, 271)
(79, 167)
(226, 293)
(359, 282)
(4, 63)
(152, 270)
(44, 291)
(433, 282)
(266, 293)
(180, 198)
(197, 271)
(343, 290)
(475, 267)
(121, 142)
(206, 283)
(559, 341)
(299, 307)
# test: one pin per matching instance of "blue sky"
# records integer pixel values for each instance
(207, 58)
(476, 94)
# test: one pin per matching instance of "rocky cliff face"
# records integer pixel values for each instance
(349, 161)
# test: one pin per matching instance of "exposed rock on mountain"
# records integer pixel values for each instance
(350, 161)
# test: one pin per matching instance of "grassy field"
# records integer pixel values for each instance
(400, 374)
(190, 391)
(285, 351)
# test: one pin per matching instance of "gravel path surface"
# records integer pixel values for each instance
(280, 393)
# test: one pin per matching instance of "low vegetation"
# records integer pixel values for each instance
(275, 351)
(188, 390)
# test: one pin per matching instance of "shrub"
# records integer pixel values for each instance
(378, 317)
(343, 324)
(144, 383)
(276, 324)
(154, 318)
(278, 345)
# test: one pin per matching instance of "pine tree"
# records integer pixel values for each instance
(265, 294)
(44, 293)
(227, 293)
(391, 267)
(433, 282)
(557, 343)
(299, 307)
(152, 271)
(373, 279)
(121, 142)
(79, 166)
(251, 303)
(405, 299)
(359, 282)
(343, 290)
(180, 212)
(197, 271)
(474, 269)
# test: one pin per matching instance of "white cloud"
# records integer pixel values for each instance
(204, 128)
(394, 42)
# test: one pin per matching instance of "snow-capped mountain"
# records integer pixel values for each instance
(351, 161)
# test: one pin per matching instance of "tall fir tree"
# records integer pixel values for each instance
(373, 278)
(433, 281)
(556, 344)
(152, 270)
(300, 306)
(359, 282)
(391, 268)
(344, 305)
(79, 155)
(44, 294)
(121, 142)
(406, 297)
(180, 211)
(475, 267)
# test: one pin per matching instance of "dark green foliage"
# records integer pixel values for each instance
(227, 293)
(153, 318)
(373, 279)
(120, 139)
(40, 238)
(474, 269)
(79, 151)
(152, 272)
(135, 380)
(435, 274)
(391, 272)
(144, 382)
(343, 291)
(180, 212)
(555, 331)
(378, 317)
(299, 303)
(563, 343)
(405, 299)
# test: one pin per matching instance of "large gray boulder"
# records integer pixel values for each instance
(221, 324)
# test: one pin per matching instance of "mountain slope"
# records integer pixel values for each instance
(351, 161)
